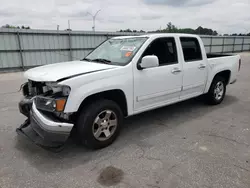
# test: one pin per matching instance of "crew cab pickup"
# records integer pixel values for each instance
(122, 77)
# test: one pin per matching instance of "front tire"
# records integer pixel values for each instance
(99, 124)
(217, 91)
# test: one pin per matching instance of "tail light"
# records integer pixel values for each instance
(239, 64)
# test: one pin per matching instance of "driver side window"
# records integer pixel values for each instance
(164, 49)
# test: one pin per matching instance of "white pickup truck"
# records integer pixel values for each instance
(122, 77)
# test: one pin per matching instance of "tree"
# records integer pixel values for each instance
(186, 30)
(14, 27)
(215, 33)
(171, 28)
(205, 31)
(129, 31)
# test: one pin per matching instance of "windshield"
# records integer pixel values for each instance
(117, 51)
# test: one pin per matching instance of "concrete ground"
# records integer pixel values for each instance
(185, 145)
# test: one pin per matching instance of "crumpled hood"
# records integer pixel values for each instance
(57, 71)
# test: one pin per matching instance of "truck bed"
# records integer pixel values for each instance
(224, 62)
(216, 55)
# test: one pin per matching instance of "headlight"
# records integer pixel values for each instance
(49, 104)
(65, 90)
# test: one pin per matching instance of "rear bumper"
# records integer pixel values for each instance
(41, 129)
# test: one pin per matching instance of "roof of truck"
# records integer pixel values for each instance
(155, 35)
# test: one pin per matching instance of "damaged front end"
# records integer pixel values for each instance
(47, 125)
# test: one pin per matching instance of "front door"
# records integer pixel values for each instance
(158, 86)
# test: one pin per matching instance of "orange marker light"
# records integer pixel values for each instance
(60, 103)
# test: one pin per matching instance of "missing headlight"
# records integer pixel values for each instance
(57, 88)
(65, 90)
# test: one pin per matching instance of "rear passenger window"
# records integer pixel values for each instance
(191, 49)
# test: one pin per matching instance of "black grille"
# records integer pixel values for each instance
(30, 89)
(35, 88)
(25, 89)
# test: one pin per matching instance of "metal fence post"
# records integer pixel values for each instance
(211, 44)
(249, 44)
(223, 44)
(242, 47)
(70, 47)
(234, 44)
(20, 50)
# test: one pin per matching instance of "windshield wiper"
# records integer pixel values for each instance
(86, 59)
(102, 60)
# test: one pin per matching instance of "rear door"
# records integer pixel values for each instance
(194, 68)
(158, 86)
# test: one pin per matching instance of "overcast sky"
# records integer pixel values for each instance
(225, 16)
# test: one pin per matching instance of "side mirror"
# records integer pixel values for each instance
(148, 61)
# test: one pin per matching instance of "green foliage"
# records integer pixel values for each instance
(187, 30)
(170, 28)
(200, 30)
(14, 27)
(130, 31)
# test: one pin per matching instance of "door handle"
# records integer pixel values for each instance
(176, 71)
(202, 66)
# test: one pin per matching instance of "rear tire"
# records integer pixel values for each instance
(99, 124)
(216, 92)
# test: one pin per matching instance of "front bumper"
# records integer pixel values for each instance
(43, 130)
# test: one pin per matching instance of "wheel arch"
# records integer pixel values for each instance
(116, 95)
(226, 74)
